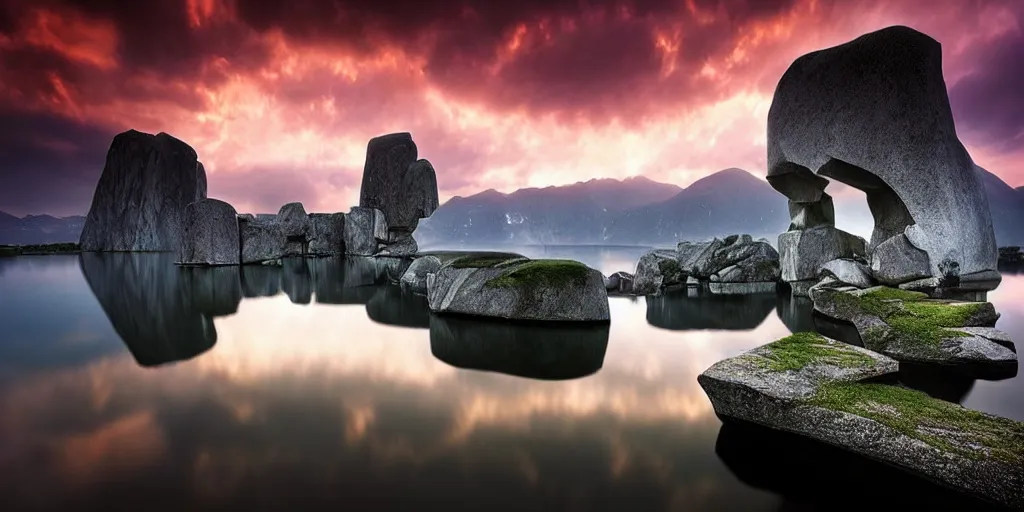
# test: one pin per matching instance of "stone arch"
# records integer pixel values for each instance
(889, 212)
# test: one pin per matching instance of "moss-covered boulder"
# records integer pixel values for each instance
(415, 277)
(517, 288)
(909, 326)
(832, 392)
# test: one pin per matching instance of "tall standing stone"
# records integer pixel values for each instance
(403, 188)
(140, 200)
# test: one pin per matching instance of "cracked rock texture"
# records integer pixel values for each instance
(140, 199)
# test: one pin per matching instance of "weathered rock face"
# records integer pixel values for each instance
(293, 221)
(365, 228)
(849, 272)
(657, 270)
(140, 200)
(742, 260)
(210, 235)
(519, 289)
(814, 386)
(909, 327)
(261, 240)
(403, 188)
(415, 278)
(327, 234)
(919, 181)
(802, 253)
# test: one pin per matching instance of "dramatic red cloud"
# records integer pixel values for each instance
(280, 98)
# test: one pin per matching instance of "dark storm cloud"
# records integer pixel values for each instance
(49, 164)
(989, 102)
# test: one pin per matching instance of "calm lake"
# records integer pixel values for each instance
(127, 383)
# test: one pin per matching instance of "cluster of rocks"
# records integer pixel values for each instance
(933, 228)
(152, 197)
(735, 264)
(932, 237)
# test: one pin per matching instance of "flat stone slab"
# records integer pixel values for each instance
(911, 327)
(519, 289)
(817, 387)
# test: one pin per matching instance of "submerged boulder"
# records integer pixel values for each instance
(658, 270)
(874, 113)
(519, 289)
(140, 200)
(909, 326)
(817, 387)
(210, 235)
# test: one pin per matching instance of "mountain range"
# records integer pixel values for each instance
(39, 229)
(634, 211)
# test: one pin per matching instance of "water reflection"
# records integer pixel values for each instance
(691, 310)
(532, 351)
(161, 317)
(810, 475)
(336, 402)
(391, 305)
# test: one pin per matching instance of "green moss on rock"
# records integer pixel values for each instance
(943, 425)
(798, 350)
(911, 315)
(543, 273)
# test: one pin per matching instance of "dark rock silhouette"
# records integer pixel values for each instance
(210, 235)
(149, 305)
(140, 200)
(874, 114)
(525, 350)
(693, 310)
(403, 188)
(260, 280)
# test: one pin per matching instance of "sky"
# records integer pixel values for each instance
(279, 98)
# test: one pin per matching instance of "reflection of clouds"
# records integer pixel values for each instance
(124, 444)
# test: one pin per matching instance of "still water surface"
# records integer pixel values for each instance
(129, 384)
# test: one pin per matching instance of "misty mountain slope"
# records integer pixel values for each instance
(633, 211)
(726, 202)
(1007, 207)
(39, 229)
(572, 214)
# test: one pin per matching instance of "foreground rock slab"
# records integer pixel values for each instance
(140, 200)
(911, 327)
(817, 387)
(519, 289)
